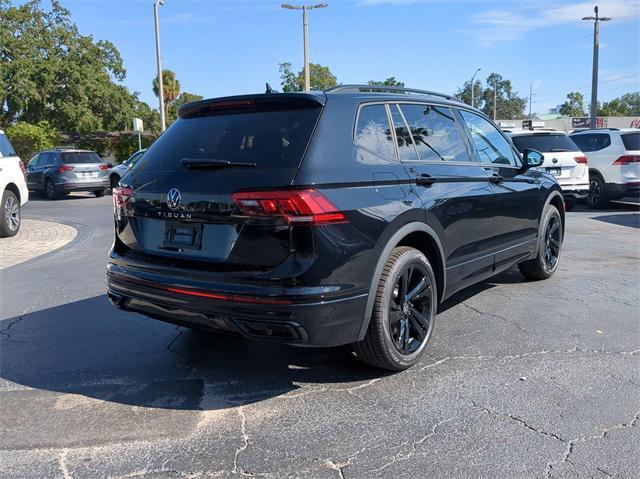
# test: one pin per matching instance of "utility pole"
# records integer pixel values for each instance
(594, 75)
(495, 96)
(530, 97)
(472, 87)
(305, 34)
(156, 5)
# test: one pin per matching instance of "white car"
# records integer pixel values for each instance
(12, 186)
(118, 171)
(614, 163)
(562, 158)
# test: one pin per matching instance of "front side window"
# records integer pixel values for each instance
(592, 141)
(491, 146)
(373, 132)
(435, 133)
(406, 150)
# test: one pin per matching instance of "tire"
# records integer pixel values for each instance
(10, 218)
(549, 247)
(99, 193)
(597, 197)
(50, 190)
(114, 180)
(398, 344)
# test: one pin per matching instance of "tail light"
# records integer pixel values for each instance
(626, 159)
(24, 170)
(121, 196)
(64, 168)
(295, 206)
(103, 167)
(581, 160)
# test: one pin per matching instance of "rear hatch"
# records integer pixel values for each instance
(562, 158)
(177, 201)
(82, 166)
(630, 161)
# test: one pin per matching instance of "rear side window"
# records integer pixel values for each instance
(406, 150)
(80, 157)
(435, 133)
(5, 146)
(592, 141)
(491, 145)
(631, 141)
(544, 142)
(373, 132)
(270, 138)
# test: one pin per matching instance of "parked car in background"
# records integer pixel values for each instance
(562, 158)
(60, 171)
(328, 218)
(13, 188)
(614, 163)
(118, 171)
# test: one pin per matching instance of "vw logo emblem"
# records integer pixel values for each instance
(174, 199)
(555, 160)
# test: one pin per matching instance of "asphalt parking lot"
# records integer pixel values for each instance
(522, 379)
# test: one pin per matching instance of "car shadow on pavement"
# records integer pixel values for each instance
(631, 220)
(75, 196)
(89, 348)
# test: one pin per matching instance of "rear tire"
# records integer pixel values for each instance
(549, 246)
(10, 215)
(404, 312)
(99, 193)
(597, 197)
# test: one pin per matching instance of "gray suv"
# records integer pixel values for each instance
(60, 171)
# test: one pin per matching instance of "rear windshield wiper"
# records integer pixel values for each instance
(558, 150)
(212, 164)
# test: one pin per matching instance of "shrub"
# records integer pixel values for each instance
(28, 139)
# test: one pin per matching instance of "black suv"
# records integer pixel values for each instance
(328, 218)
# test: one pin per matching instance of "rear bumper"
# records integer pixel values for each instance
(296, 319)
(619, 190)
(102, 183)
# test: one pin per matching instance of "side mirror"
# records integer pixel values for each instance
(532, 158)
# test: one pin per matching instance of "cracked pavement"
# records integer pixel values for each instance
(521, 379)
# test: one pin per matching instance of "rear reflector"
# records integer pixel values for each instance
(64, 168)
(626, 159)
(231, 297)
(295, 206)
(581, 160)
(121, 196)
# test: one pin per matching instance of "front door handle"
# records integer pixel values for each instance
(425, 180)
(496, 179)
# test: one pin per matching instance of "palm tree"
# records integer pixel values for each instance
(170, 87)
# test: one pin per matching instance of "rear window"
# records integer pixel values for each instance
(631, 141)
(5, 146)
(546, 143)
(80, 157)
(270, 138)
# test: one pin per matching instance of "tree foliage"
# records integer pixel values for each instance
(28, 139)
(625, 105)
(508, 104)
(183, 98)
(574, 106)
(464, 93)
(320, 77)
(50, 72)
(171, 89)
(391, 81)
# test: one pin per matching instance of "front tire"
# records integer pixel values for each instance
(10, 219)
(50, 190)
(549, 245)
(99, 193)
(404, 312)
(597, 197)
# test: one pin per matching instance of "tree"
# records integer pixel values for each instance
(631, 102)
(28, 139)
(170, 88)
(183, 98)
(574, 106)
(320, 76)
(50, 72)
(625, 105)
(508, 104)
(464, 93)
(391, 81)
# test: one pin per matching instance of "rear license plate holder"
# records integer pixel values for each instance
(555, 171)
(179, 236)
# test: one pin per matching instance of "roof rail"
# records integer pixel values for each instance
(387, 89)
(594, 129)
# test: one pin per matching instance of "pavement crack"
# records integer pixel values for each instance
(339, 467)
(245, 443)
(483, 313)
(11, 324)
(170, 345)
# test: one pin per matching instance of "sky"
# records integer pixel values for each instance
(227, 47)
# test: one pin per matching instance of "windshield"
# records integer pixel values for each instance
(270, 139)
(5, 146)
(80, 157)
(545, 143)
(133, 159)
(631, 141)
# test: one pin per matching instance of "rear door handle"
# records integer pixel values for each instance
(496, 179)
(425, 180)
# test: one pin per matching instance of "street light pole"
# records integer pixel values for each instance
(305, 34)
(156, 5)
(472, 87)
(594, 75)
